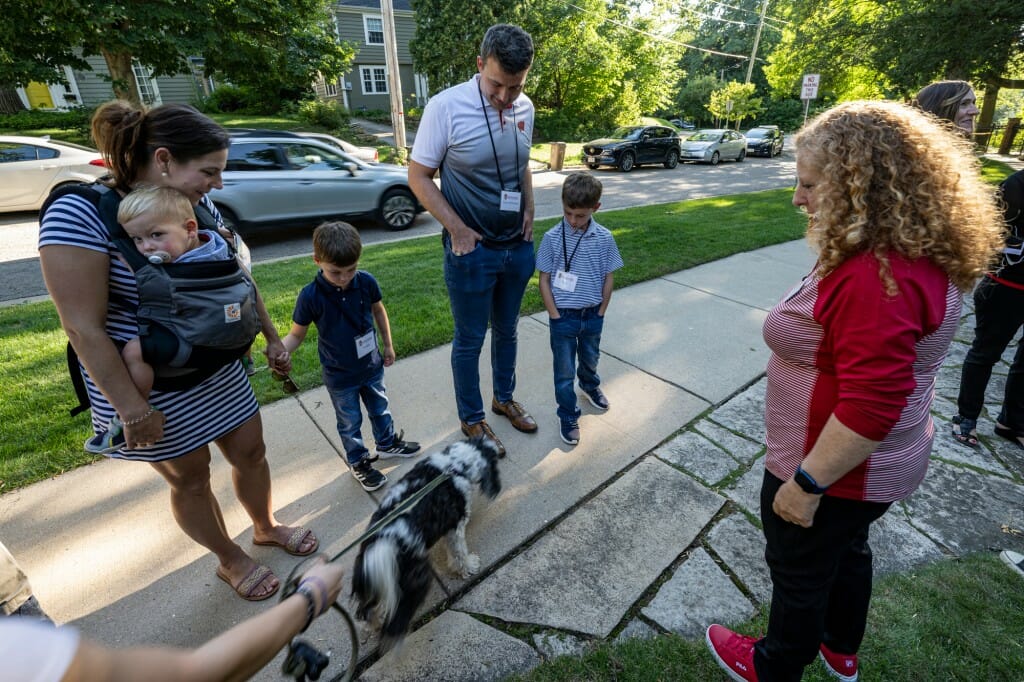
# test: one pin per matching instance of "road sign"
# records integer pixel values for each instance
(810, 89)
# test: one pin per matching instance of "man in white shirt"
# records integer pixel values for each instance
(478, 134)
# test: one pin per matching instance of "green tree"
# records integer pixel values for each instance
(277, 45)
(694, 95)
(735, 102)
(892, 48)
(448, 35)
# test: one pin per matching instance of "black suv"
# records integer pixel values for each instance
(630, 146)
(764, 141)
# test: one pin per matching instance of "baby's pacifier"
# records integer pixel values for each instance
(159, 257)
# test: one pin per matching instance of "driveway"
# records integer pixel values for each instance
(20, 278)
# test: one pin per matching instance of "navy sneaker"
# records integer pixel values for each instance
(368, 477)
(399, 447)
(570, 432)
(109, 441)
(598, 399)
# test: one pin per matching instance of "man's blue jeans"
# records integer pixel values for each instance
(575, 336)
(350, 416)
(485, 285)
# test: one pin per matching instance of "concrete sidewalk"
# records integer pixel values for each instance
(644, 527)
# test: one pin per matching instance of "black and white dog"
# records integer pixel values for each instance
(391, 576)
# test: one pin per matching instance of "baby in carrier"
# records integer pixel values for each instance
(161, 223)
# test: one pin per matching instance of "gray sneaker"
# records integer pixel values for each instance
(1013, 560)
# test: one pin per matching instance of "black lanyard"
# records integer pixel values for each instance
(494, 149)
(568, 259)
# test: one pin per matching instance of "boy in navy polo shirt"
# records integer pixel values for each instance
(576, 260)
(344, 303)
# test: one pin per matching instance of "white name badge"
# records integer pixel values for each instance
(510, 200)
(566, 281)
(365, 344)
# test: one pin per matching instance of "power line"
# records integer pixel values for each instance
(711, 17)
(656, 36)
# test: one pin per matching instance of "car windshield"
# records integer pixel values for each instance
(705, 136)
(757, 133)
(627, 133)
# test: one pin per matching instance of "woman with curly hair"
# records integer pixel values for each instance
(902, 224)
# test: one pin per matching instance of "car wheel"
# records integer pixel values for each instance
(228, 216)
(593, 166)
(743, 155)
(715, 158)
(626, 163)
(397, 208)
(673, 159)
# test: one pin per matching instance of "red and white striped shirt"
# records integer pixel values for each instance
(841, 345)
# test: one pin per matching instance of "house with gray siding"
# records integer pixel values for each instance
(91, 88)
(365, 86)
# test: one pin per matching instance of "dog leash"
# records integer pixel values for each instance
(304, 660)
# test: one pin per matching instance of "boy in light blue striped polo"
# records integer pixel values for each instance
(576, 260)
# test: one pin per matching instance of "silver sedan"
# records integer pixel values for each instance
(276, 180)
(713, 145)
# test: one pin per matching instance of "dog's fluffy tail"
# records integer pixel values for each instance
(376, 579)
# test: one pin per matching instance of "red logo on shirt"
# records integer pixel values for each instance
(521, 125)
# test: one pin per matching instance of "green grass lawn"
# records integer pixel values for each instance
(41, 440)
(960, 619)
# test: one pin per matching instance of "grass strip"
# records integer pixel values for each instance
(39, 439)
(957, 619)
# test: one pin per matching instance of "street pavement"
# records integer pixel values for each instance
(21, 279)
(647, 527)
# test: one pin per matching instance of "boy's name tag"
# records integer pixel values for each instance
(566, 281)
(365, 344)
(510, 200)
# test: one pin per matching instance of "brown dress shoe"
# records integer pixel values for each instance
(482, 429)
(519, 417)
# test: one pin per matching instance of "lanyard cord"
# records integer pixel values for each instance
(568, 259)
(494, 149)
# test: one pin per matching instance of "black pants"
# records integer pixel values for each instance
(821, 582)
(999, 313)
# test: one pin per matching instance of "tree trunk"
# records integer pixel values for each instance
(124, 85)
(10, 103)
(988, 108)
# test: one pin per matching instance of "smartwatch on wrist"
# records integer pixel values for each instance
(807, 482)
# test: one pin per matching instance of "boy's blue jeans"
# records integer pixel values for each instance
(350, 416)
(485, 285)
(576, 335)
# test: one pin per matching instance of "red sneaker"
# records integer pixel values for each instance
(840, 666)
(733, 652)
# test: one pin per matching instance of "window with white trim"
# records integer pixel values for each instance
(148, 91)
(373, 29)
(332, 88)
(374, 79)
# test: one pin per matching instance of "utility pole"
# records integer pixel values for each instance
(394, 75)
(757, 39)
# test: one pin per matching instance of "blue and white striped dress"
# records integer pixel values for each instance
(195, 417)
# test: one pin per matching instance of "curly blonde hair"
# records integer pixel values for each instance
(892, 179)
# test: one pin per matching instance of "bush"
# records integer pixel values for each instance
(229, 99)
(326, 114)
(76, 118)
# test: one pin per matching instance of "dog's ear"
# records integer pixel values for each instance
(490, 482)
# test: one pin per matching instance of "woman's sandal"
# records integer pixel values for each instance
(965, 431)
(1015, 437)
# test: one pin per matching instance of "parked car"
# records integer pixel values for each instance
(714, 144)
(630, 146)
(764, 141)
(685, 125)
(32, 167)
(366, 154)
(279, 179)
